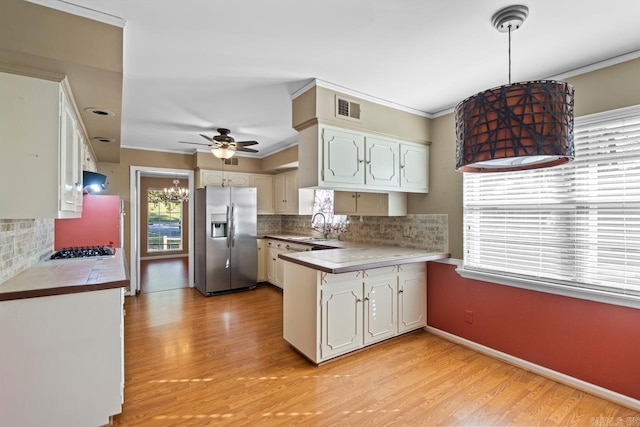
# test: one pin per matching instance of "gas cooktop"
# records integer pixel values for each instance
(83, 252)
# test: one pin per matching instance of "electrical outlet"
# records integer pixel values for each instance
(468, 316)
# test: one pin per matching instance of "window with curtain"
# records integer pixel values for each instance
(574, 225)
(323, 203)
(164, 223)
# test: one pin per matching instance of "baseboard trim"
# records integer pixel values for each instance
(576, 383)
(148, 258)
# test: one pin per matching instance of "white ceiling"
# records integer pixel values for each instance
(191, 66)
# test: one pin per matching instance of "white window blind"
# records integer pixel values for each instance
(577, 224)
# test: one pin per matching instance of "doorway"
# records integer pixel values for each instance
(138, 224)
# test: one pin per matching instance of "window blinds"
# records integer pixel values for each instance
(577, 224)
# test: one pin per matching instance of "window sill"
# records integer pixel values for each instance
(550, 288)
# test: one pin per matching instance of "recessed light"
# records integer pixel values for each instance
(99, 111)
(103, 139)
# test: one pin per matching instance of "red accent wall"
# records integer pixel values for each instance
(99, 224)
(595, 342)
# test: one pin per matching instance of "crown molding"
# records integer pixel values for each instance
(85, 12)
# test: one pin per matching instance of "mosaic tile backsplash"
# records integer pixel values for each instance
(23, 242)
(428, 232)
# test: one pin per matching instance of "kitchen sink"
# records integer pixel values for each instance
(309, 239)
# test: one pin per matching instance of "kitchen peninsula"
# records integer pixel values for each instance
(340, 300)
(61, 322)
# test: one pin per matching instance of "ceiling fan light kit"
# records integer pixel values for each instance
(518, 126)
(224, 146)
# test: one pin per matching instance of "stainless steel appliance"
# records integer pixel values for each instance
(226, 254)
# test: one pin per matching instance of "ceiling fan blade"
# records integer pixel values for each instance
(247, 150)
(194, 143)
(245, 143)
(207, 138)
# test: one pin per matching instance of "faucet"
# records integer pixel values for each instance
(324, 224)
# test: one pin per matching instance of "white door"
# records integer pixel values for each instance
(382, 163)
(412, 297)
(380, 304)
(414, 167)
(341, 326)
(343, 157)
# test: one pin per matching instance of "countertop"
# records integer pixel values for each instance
(67, 276)
(343, 257)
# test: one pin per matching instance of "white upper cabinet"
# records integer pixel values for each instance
(288, 197)
(414, 170)
(369, 204)
(41, 138)
(344, 154)
(381, 161)
(263, 182)
(343, 159)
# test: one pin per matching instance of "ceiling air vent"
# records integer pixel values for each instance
(347, 109)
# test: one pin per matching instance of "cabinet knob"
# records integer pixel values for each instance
(360, 161)
(400, 291)
(401, 166)
(353, 196)
(359, 300)
(369, 162)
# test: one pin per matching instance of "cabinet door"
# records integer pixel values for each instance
(341, 326)
(380, 304)
(69, 174)
(264, 186)
(372, 203)
(279, 278)
(382, 162)
(412, 296)
(291, 191)
(271, 265)
(343, 157)
(344, 202)
(414, 167)
(208, 177)
(280, 193)
(234, 179)
(262, 260)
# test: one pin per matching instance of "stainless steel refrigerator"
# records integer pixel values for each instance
(226, 254)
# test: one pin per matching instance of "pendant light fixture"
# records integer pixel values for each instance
(519, 126)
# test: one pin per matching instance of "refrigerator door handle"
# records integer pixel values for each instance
(229, 228)
(233, 225)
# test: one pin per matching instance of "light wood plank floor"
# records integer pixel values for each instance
(194, 361)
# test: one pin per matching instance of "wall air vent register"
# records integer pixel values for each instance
(347, 109)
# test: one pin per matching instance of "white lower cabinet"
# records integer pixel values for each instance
(328, 315)
(263, 252)
(275, 267)
(63, 365)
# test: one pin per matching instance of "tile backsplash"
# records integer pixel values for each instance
(428, 232)
(23, 242)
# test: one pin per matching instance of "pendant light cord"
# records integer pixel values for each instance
(509, 53)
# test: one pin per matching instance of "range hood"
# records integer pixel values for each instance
(93, 182)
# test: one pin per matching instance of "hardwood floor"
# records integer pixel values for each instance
(164, 274)
(194, 361)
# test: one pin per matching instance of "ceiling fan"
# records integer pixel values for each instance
(224, 146)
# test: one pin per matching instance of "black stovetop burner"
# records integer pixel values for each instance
(83, 252)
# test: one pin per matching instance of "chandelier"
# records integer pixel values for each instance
(519, 126)
(175, 194)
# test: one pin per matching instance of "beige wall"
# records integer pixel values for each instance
(606, 89)
(280, 160)
(118, 176)
(375, 118)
